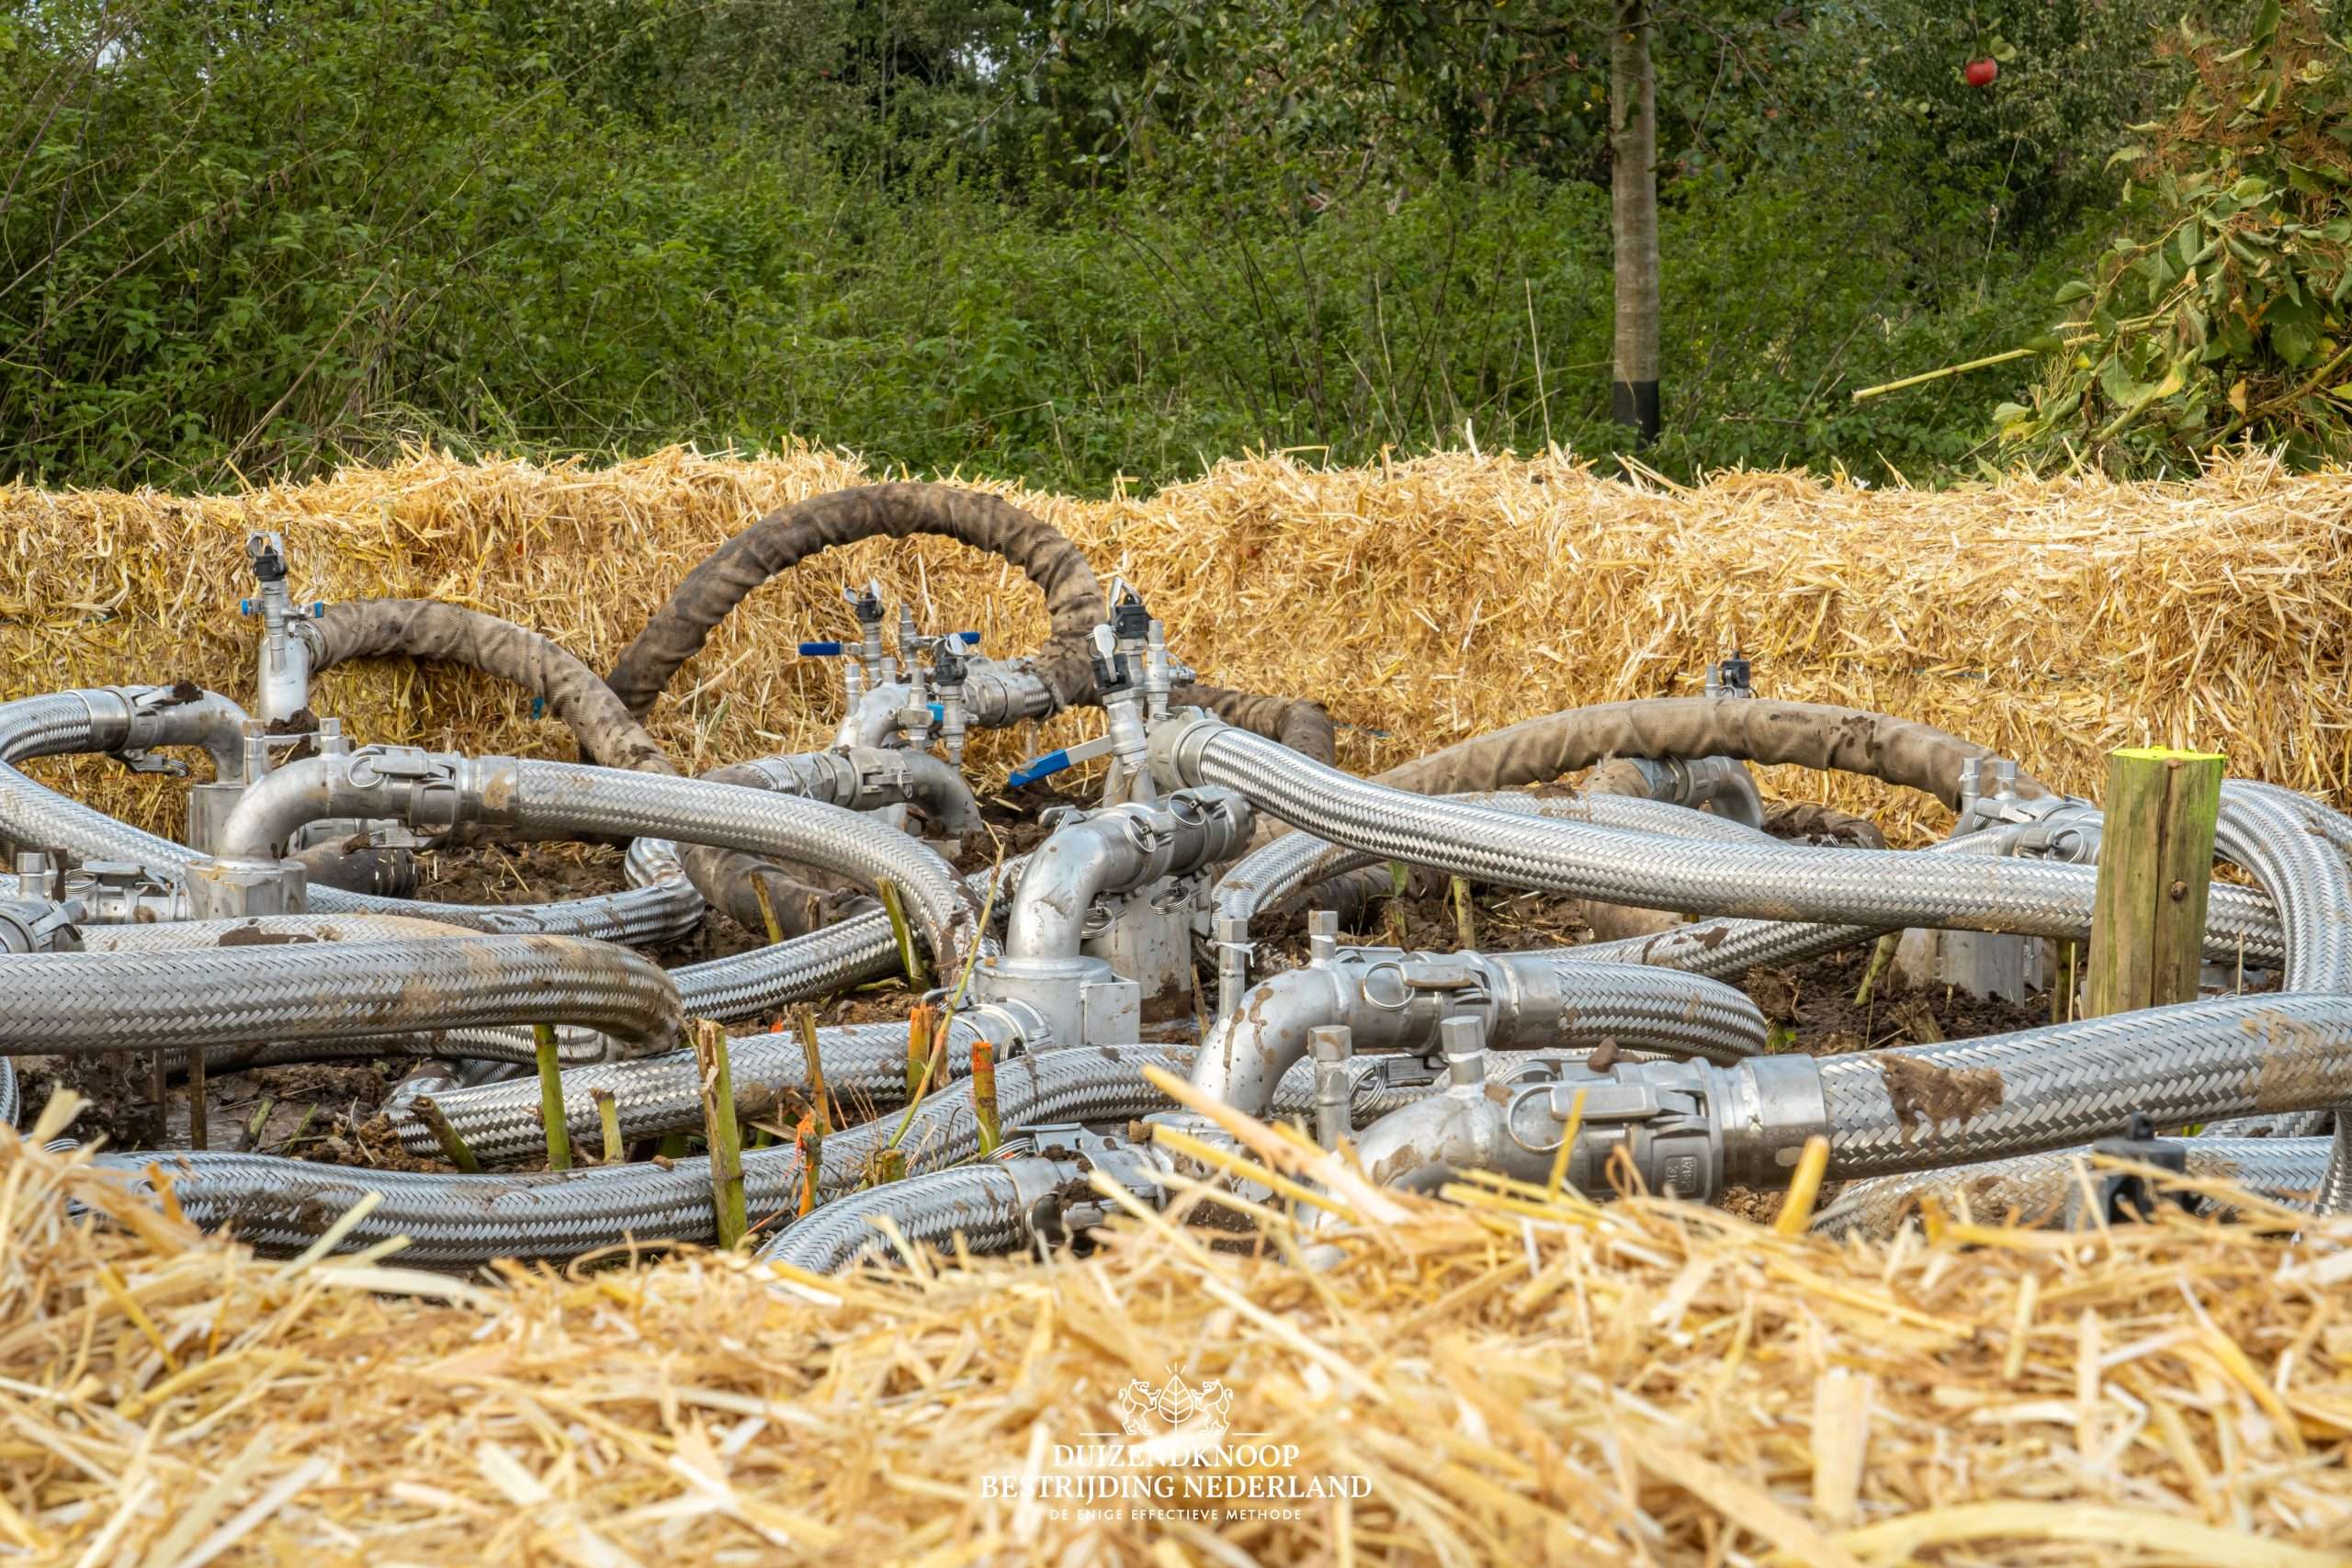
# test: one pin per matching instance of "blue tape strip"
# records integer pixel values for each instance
(820, 650)
(1029, 772)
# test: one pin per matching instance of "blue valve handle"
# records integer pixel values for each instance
(969, 639)
(820, 650)
(938, 713)
(1037, 768)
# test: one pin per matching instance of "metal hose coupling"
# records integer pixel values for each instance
(1392, 999)
(1083, 999)
(1690, 1129)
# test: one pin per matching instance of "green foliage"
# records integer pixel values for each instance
(2223, 316)
(1070, 242)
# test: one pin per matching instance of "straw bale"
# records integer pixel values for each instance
(1520, 1377)
(1425, 602)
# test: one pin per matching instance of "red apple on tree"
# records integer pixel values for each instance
(1981, 73)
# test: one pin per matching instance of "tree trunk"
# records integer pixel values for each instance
(1632, 181)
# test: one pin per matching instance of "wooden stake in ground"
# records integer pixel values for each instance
(2155, 869)
(551, 1110)
(722, 1133)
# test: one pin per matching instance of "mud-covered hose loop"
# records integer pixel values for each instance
(784, 538)
(1300, 723)
(1753, 729)
(432, 632)
(91, 1003)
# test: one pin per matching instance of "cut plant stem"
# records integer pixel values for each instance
(984, 1108)
(608, 1116)
(722, 1133)
(811, 1144)
(805, 1017)
(1880, 956)
(909, 956)
(1466, 919)
(889, 1165)
(919, 1028)
(453, 1147)
(197, 1131)
(767, 908)
(551, 1112)
(259, 1120)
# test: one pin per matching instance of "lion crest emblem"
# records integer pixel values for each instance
(1174, 1406)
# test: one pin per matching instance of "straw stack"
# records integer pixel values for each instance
(1522, 1377)
(1425, 602)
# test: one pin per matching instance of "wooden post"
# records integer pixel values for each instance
(2155, 867)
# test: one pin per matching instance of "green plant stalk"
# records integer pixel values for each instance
(1882, 954)
(1466, 919)
(889, 1165)
(259, 1120)
(453, 1147)
(552, 1113)
(919, 1031)
(609, 1115)
(767, 908)
(722, 1134)
(909, 956)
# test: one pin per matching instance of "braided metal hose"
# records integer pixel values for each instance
(1925, 1106)
(11, 1096)
(1884, 888)
(86, 1003)
(980, 1202)
(281, 1206)
(865, 1065)
(2036, 1187)
(1267, 877)
(102, 720)
(2233, 1064)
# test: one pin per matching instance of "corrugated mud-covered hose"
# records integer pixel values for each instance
(1753, 729)
(784, 538)
(431, 632)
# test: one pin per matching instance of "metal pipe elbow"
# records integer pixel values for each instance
(1416, 1149)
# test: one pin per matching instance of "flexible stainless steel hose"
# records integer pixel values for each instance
(11, 1097)
(1265, 879)
(453, 1221)
(85, 1003)
(2035, 1187)
(539, 799)
(102, 720)
(865, 1063)
(980, 1202)
(1883, 889)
